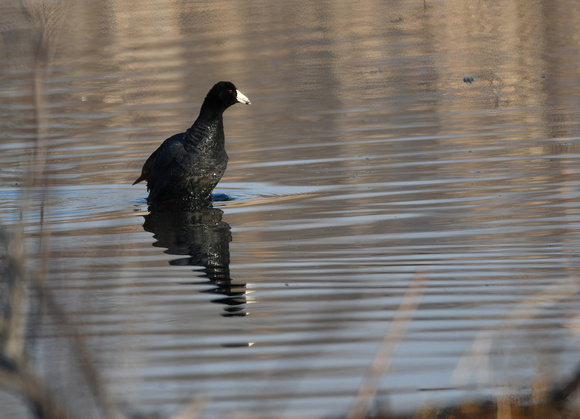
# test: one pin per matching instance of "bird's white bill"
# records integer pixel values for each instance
(241, 98)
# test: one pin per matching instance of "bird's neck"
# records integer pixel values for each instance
(211, 110)
(208, 131)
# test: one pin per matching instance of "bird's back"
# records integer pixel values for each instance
(184, 167)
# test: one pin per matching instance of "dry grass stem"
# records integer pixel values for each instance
(386, 353)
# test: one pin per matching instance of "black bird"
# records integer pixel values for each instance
(188, 166)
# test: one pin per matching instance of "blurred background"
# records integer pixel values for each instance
(402, 223)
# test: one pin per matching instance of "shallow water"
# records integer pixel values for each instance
(383, 210)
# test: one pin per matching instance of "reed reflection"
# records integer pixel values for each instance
(204, 237)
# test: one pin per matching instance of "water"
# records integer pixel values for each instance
(380, 204)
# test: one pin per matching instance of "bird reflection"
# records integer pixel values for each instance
(204, 237)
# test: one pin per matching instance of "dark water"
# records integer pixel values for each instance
(404, 194)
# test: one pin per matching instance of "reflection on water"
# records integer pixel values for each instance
(205, 239)
(365, 161)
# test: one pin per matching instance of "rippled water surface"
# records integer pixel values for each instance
(404, 201)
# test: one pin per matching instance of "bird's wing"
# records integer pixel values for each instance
(147, 167)
(170, 152)
(163, 156)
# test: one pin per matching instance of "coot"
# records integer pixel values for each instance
(188, 166)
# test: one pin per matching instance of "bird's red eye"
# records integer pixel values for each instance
(231, 91)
